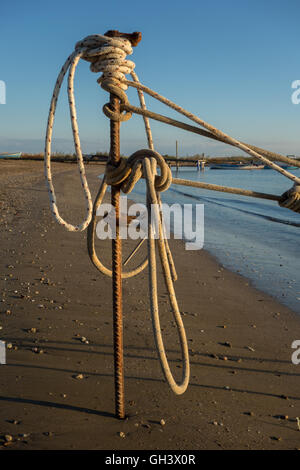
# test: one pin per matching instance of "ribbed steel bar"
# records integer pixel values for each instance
(117, 270)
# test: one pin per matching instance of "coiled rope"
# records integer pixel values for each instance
(108, 55)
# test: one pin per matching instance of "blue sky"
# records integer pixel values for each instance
(232, 62)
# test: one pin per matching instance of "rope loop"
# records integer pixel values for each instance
(107, 55)
(129, 171)
(113, 86)
(291, 199)
(142, 163)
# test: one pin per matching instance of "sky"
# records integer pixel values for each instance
(231, 62)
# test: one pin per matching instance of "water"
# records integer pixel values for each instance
(253, 237)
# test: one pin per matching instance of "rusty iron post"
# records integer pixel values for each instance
(114, 155)
(117, 269)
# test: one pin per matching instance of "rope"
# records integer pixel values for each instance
(196, 130)
(154, 184)
(216, 132)
(291, 199)
(153, 202)
(108, 55)
(70, 65)
(216, 187)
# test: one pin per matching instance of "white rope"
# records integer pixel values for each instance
(213, 130)
(110, 54)
(152, 202)
(71, 61)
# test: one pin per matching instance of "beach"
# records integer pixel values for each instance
(57, 388)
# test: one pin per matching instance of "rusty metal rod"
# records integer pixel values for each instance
(117, 270)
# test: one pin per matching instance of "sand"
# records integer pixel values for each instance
(56, 312)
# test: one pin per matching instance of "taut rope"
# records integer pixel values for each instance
(108, 55)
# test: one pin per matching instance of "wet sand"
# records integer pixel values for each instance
(56, 312)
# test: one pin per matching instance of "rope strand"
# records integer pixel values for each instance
(213, 130)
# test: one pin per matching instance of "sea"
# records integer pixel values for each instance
(253, 237)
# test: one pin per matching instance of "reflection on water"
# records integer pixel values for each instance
(254, 237)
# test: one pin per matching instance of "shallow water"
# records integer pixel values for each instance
(253, 237)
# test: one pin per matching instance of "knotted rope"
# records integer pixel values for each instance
(108, 55)
(142, 163)
(291, 199)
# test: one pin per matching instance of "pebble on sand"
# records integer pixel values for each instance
(78, 376)
(32, 330)
(84, 340)
(37, 351)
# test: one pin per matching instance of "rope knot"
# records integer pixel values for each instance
(291, 199)
(130, 170)
(108, 55)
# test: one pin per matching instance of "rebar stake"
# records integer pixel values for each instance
(117, 269)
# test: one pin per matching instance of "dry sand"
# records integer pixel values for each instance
(244, 389)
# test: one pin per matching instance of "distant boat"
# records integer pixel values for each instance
(236, 166)
(252, 167)
(11, 155)
(225, 166)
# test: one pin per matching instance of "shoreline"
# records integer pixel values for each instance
(252, 283)
(243, 390)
